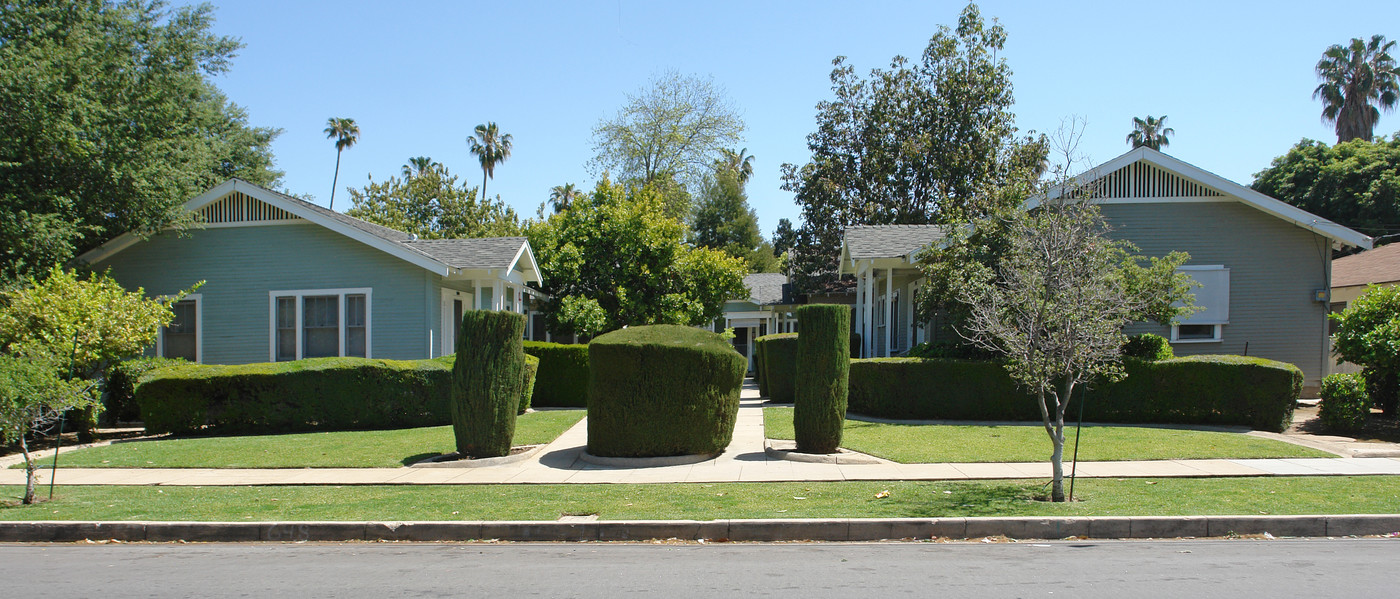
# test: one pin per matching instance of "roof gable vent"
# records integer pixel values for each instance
(1143, 180)
(239, 208)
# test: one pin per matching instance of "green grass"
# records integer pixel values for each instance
(352, 449)
(918, 444)
(1098, 497)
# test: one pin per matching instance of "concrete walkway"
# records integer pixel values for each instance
(744, 461)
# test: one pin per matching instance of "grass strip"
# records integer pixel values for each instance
(928, 443)
(341, 449)
(693, 501)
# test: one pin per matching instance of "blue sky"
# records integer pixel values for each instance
(1235, 78)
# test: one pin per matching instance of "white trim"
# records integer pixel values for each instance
(1162, 200)
(272, 296)
(198, 299)
(1218, 338)
(254, 223)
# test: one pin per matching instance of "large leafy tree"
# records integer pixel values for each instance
(614, 260)
(1359, 79)
(345, 133)
(1356, 183)
(433, 205)
(110, 123)
(1368, 333)
(724, 221)
(491, 148)
(914, 144)
(1151, 132)
(676, 127)
(784, 237)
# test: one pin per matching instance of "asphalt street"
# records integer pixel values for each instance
(1187, 568)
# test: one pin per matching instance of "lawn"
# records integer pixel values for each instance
(924, 443)
(1098, 497)
(352, 449)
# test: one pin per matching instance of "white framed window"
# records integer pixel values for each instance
(318, 323)
(1212, 296)
(184, 336)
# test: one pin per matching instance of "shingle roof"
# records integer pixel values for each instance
(488, 252)
(766, 288)
(371, 228)
(1381, 265)
(890, 241)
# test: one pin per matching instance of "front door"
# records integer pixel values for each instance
(454, 303)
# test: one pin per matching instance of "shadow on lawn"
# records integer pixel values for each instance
(414, 459)
(989, 499)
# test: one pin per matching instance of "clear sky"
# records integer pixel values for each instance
(1235, 78)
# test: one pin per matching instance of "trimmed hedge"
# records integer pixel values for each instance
(563, 378)
(1232, 390)
(821, 381)
(662, 390)
(780, 366)
(488, 380)
(532, 370)
(119, 401)
(1147, 346)
(758, 367)
(1344, 404)
(305, 395)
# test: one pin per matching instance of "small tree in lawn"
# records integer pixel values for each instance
(1057, 302)
(1368, 333)
(33, 397)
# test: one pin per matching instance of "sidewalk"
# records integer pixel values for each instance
(744, 461)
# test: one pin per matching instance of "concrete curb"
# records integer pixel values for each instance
(787, 450)
(656, 462)
(836, 529)
(449, 460)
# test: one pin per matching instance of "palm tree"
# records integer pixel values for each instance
(562, 196)
(417, 166)
(346, 133)
(491, 148)
(1358, 80)
(740, 162)
(1151, 132)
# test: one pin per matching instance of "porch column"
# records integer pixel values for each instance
(858, 324)
(868, 321)
(497, 299)
(889, 312)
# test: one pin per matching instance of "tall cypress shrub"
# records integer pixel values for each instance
(488, 379)
(823, 375)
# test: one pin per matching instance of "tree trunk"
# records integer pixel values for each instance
(483, 186)
(336, 179)
(31, 471)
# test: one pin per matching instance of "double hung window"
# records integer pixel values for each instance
(320, 323)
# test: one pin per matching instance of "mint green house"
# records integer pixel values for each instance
(285, 279)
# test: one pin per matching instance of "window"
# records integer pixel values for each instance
(180, 338)
(320, 323)
(1213, 302)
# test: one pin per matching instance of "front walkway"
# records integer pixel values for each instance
(744, 461)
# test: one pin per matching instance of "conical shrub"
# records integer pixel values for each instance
(823, 375)
(488, 379)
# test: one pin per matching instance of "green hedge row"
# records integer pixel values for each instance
(779, 363)
(563, 376)
(1231, 390)
(662, 390)
(119, 398)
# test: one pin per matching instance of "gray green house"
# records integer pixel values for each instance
(286, 279)
(769, 308)
(1265, 267)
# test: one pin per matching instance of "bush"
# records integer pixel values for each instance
(1368, 333)
(305, 395)
(662, 390)
(532, 369)
(1383, 387)
(758, 374)
(563, 376)
(1232, 390)
(1148, 347)
(488, 379)
(822, 377)
(120, 397)
(1345, 403)
(780, 366)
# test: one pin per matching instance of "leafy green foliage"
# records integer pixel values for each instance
(1358, 80)
(1147, 346)
(119, 401)
(1151, 132)
(532, 371)
(345, 133)
(1190, 390)
(1368, 333)
(915, 144)
(111, 124)
(1356, 183)
(723, 221)
(32, 396)
(1344, 404)
(822, 376)
(779, 366)
(491, 148)
(612, 260)
(432, 205)
(487, 380)
(662, 390)
(563, 376)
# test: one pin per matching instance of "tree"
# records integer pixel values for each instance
(784, 237)
(111, 123)
(1368, 333)
(723, 221)
(561, 197)
(432, 205)
(741, 163)
(914, 144)
(614, 260)
(1150, 132)
(417, 166)
(32, 398)
(491, 148)
(677, 126)
(1056, 304)
(1358, 80)
(1356, 183)
(345, 133)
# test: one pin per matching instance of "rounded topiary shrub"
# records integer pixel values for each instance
(1148, 347)
(822, 378)
(488, 379)
(1344, 404)
(662, 390)
(780, 365)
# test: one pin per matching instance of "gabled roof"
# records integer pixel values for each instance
(1221, 186)
(1381, 265)
(867, 242)
(442, 256)
(767, 288)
